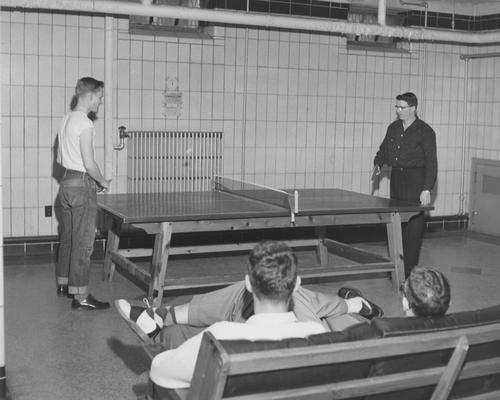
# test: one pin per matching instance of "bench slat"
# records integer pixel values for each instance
(378, 384)
(277, 359)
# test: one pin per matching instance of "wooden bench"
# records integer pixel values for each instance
(458, 363)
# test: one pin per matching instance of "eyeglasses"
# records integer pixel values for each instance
(401, 108)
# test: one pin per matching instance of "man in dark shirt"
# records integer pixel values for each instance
(409, 147)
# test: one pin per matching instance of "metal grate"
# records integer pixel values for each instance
(173, 161)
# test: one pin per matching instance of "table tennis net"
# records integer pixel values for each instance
(254, 191)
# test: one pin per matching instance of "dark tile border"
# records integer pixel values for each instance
(340, 11)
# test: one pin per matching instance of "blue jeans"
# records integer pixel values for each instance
(77, 193)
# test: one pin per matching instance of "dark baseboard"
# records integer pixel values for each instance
(46, 246)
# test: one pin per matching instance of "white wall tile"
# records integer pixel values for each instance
(6, 221)
(194, 110)
(17, 192)
(147, 69)
(147, 106)
(16, 69)
(207, 78)
(17, 38)
(6, 171)
(31, 192)
(16, 132)
(30, 100)
(218, 78)
(217, 106)
(45, 70)
(30, 134)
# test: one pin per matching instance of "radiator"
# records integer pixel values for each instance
(172, 161)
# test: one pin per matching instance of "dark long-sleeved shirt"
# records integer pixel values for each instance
(415, 147)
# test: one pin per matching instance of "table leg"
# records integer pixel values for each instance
(395, 239)
(321, 249)
(159, 263)
(111, 246)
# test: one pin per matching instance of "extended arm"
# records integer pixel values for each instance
(430, 165)
(87, 151)
(430, 159)
(220, 305)
(381, 156)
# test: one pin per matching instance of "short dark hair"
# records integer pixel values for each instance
(86, 85)
(427, 291)
(272, 270)
(83, 86)
(409, 97)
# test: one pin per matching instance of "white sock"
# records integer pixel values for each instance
(158, 320)
(146, 323)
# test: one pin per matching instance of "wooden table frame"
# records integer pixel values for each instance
(368, 263)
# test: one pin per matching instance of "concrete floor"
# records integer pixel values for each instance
(54, 353)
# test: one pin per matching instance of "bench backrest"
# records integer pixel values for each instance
(225, 369)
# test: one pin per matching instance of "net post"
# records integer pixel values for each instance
(294, 208)
(296, 201)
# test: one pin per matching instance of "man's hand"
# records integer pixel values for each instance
(425, 197)
(104, 186)
(375, 179)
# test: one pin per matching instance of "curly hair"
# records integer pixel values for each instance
(272, 270)
(427, 291)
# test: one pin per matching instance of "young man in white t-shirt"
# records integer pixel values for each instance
(81, 180)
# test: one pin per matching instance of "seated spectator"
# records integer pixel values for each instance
(271, 279)
(235, 303)
(426, 293)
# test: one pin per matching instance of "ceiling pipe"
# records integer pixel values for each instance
(109, 52)
(412, 3)
(107, 7)
(382, 8)
(480, 55)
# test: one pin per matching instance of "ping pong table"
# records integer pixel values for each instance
(235, 205)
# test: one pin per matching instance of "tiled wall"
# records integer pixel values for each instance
(483, 130)
(296, 109)
(42, 57)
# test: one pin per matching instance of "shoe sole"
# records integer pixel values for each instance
(349, 292)
(138, 331)
(90, 308)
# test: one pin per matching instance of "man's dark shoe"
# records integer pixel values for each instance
(62, 290)
(90, 303)
(367, 312)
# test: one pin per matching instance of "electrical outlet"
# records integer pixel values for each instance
(48, 211)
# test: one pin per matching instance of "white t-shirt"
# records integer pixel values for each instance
(174, 368)
(69, 154)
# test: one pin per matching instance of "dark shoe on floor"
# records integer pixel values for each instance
(369, 313)
(142, 320)
(90, 303)
(62, 290)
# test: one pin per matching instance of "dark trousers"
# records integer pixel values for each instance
(173, 336)
(406, 185)
(77, 193)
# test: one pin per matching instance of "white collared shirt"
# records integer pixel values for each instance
(174, 368)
